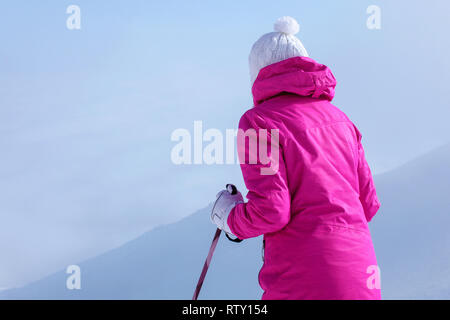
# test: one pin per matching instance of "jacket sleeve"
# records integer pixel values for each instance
(268, 206)
(367, 192)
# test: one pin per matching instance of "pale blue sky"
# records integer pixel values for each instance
(86, 115)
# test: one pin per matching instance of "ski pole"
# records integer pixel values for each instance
(232, 190)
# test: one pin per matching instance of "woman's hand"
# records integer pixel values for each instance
(225, 202)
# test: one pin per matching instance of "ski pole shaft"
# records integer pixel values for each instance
(232, 190)
(206, 265)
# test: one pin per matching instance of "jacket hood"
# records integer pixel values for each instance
(298, 75)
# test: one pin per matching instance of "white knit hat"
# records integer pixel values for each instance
(276, 46)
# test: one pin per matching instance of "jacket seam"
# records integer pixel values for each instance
(335, 225)
(328, 124)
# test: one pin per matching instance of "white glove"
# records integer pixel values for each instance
(225, 202)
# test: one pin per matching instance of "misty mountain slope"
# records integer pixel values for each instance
(164, 263)
(410, 234)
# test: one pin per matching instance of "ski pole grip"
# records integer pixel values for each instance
(231, 188)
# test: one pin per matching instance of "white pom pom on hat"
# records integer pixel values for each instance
(276, 46)
(286, 25)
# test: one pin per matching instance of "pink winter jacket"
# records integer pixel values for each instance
(314, 209)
